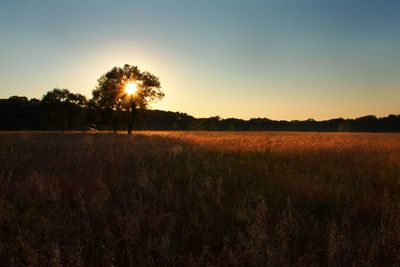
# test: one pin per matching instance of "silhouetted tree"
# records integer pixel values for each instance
(76, 103)
(19, 113)
(110, 94)
(63, 106)
(61, 109)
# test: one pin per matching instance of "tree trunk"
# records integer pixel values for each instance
(70, 119)
(132, 117)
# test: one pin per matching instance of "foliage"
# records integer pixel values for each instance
(61, 107)
(110, 92)
(20, 113)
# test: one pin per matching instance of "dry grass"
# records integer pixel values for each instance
(199, 198)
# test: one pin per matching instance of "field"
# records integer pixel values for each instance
(199, 199)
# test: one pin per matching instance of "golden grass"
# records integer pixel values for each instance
(199, 198)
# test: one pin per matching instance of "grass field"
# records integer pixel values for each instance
(199, 199)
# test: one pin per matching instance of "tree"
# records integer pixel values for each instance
(110, 94)
(19, 113)
(62, 106)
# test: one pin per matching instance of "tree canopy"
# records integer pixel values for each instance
(62, 106)
(110, 91)
(60, 109)
(21, 113)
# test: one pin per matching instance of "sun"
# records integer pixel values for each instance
(130, 88)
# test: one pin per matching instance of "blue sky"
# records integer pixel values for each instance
(279, 59)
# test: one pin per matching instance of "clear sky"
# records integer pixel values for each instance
(280, 59)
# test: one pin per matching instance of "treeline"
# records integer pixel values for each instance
(62, 110)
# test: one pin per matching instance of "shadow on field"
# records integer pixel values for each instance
(149, 199)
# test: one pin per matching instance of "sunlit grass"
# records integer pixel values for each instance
(199, 198)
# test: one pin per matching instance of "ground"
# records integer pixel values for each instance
(199, 198)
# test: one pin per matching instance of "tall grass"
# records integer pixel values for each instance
(199, 198)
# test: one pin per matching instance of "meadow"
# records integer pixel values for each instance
(199, 199)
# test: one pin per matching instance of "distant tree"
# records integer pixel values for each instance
(76, 104)
(18, 101)
(19, 113)
(63, 106)
(390, 123)
(366, 124)
(34, 102)
(344, 126)
(205, 124)
(110, 94)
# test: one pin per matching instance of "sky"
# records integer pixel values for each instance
(279, 59)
